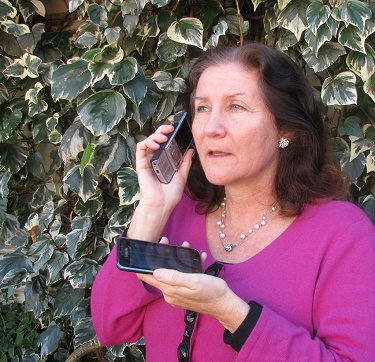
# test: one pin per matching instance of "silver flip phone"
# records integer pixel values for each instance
(167, 159)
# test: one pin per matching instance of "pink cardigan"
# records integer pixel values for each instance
(316, 283)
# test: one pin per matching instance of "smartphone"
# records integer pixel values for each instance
(167, 159)
(141, 256)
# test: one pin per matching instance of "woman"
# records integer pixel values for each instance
(293, 275)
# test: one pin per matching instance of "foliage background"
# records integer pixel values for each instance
(77, 92)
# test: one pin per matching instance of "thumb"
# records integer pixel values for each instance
(169, 276)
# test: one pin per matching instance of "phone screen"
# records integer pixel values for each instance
(144, 257)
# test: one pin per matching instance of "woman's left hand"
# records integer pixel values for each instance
(201, 293)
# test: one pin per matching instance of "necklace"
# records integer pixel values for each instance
(229, 246)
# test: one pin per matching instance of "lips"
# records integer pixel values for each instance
(217, 153)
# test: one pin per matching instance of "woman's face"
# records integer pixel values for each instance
(234, 132)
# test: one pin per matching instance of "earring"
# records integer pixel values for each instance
(284, 142)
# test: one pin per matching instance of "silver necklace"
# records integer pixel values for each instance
(230, 246)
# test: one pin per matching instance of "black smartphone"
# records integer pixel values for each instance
(141, 256)
(167, 159)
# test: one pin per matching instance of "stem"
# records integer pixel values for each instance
(239, 22)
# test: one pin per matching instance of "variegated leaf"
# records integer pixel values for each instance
(112, 34)
(102, 111)
(328, 53)
(165, 82)
(187, 31)
(87, 40)
(256, 3)
(71, 79)
(339, 90)
(15, 29)
(293, 17)
(84, 332)
(84, 185)
(150, 28)
(352, 38)
(362, 64)
(282, 4)
(218, 30)
(359, 145)
(128, 186)
(67, 299)
(117, 223)
(369, 87)
(317, 14)
(81, 273)
(168, 50)
(123, 72)
(7, 9)
(350, 127)
(353, 168)
(315, 41)
(352, 12)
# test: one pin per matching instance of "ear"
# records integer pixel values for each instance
(287, 134)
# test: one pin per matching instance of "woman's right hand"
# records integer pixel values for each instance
(153, 192)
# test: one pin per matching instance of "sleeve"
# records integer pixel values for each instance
(118, 304)
(343, 318)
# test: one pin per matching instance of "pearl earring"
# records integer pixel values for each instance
(284, 142)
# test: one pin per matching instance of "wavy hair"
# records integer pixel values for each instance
(307, 170)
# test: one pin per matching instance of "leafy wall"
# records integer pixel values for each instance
(78, 91)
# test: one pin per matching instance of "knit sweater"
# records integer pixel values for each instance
(315, 282)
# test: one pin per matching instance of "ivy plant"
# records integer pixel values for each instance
(77, 94)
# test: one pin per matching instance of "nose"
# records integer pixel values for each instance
(215, 124)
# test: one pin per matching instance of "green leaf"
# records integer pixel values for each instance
(350, 127)
(317, 14)
(128, 186)
(352, 38)
(339, 90)
(352, 12)
(293, 17)
(69, 80)
(13, 156)
(67, 300)
(81, 274)
(84, 185)
(168, 50)
(7, 9)
(165, 19)
(50, 339)
(102, 111)
(87, 155)
(136, 89)
(362, 64)
(209, 10)
(187, 31)
(328, 54)
(166, 105)
(123, 72)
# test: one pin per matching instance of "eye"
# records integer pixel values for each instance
(236, 107)
(201, 109)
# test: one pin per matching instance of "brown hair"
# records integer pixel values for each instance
(307, 170)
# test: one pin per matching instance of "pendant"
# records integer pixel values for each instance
(228, 247)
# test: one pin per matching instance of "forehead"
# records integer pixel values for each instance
(228, 78)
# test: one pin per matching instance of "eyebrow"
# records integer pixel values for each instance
(233, 95)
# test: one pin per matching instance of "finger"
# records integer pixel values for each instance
(172, 277)
(186, 244)
(203, 257)
(164, 240)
